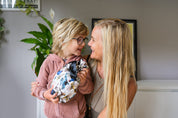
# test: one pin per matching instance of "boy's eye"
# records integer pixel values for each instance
(80, 40)
(86, 38)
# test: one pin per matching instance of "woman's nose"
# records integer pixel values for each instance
(89, 43)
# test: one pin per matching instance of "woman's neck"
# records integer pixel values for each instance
(100, 69)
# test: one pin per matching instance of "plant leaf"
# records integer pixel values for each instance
(38, 35)
(34, 48)
(1, 21)
(48, 51)
(31, 41)
(48, 22)
(1, 29)
(43, 46)
(50, 38)
(46, 31)
(34, 63)
(51, 41)
(43, 28)
(39, 61)
(28, 11)
(19, 4)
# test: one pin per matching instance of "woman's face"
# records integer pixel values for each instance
(96, 44)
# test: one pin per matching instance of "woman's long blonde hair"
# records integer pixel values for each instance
(64, 30)
(118, 65)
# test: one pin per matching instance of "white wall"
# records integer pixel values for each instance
(158, 40)
(157, 44)
(155, 99)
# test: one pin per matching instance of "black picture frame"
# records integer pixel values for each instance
(133, 24)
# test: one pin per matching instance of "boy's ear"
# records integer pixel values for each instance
(63, 46)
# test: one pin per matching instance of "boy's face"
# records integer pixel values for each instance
(74, 46)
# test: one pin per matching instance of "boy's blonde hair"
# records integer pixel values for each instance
(118, 63)
(64, 30)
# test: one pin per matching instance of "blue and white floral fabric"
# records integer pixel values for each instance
(66, 82)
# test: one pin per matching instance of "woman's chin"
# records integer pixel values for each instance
(92, 56)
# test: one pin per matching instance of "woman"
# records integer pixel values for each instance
(113, 68)
(112, 62)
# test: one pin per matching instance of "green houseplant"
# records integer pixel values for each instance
(1, 27)
(41, 40)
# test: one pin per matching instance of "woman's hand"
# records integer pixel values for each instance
(33, 87)
(53, 98)
(83, 75)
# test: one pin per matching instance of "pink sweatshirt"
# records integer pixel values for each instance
(76, 107)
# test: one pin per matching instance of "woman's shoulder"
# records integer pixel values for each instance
(132, 82)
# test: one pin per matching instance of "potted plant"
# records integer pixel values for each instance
(42, 40)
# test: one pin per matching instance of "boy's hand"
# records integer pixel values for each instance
(53, 98)
(33, 87)
(83, 75)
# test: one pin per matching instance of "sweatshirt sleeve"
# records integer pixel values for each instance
(86, 87)
(42, 79)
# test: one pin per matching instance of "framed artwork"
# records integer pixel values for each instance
(132, 23)
(10, 5)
